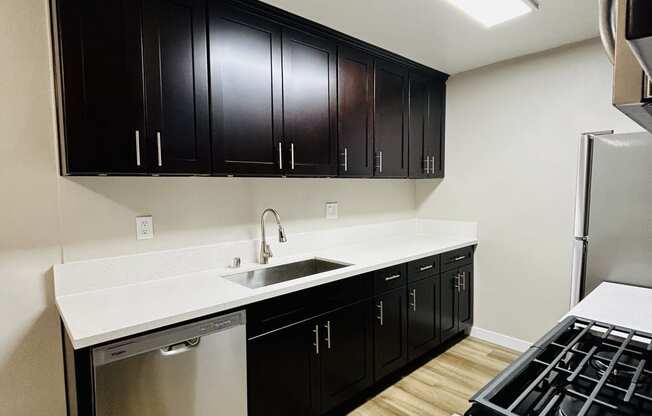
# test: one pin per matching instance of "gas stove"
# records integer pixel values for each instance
(580, 368)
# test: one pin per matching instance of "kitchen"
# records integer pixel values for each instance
(497, 179)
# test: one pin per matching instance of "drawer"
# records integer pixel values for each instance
(419, 269)
(456, 258)
(390, 278)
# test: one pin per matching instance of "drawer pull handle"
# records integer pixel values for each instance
(424, 268)
(413, 293)
(459, 258)
(394, 277)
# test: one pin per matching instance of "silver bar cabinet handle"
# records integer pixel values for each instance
(381, 161)
(137, 147)
(413, 293)
(280, 155)
(158, 148)
(328, 334)
(292, 156)
(346, 159)
(459, 258)
(457, 282)
(426, 161)
(393, 277)
(432, 171)
(424, 268)
(381, 316)
(463, 281)
(316, 343)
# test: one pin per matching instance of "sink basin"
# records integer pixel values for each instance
(282, 273)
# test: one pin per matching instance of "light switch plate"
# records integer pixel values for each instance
(331, 211)
(144, 227)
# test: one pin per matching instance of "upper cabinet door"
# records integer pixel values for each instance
(246, 94)
(390, 120)
(309, 102)
(435, 134)
(176, 67)
(354, 106)
(102, 90)
(420, 165)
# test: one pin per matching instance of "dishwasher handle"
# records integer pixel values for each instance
(180, 348)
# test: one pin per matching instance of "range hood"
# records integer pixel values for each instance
(626, 31)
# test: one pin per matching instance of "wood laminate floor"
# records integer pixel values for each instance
(444, 385)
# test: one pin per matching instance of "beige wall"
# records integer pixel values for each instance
(46, 219)
(511, 153)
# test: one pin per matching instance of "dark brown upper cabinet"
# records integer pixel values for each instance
(420, 164)
(176, 72)
(435, 142)
(101, 102)
(246, 93)
(309, 104)
(354, 105)
(390, 119)
(236, 87)
(426, 125)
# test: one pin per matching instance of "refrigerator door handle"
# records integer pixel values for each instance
(579, 269)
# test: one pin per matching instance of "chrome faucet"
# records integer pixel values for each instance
(265, 250)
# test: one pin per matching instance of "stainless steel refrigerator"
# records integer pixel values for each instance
(613, 212)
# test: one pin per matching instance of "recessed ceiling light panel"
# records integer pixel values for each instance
(493, 12)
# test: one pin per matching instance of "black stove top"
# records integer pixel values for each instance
(581, 368)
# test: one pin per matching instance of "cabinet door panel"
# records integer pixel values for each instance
(346, 358)
(355, 136)
(390, 119)
(309, 92)
(419, 150)
(102, 90)
(177, 86)
(390, 332)
(283, 372)
(246, 100)
(435, 135)
(423, 316)
(449, 301)
(466, 297)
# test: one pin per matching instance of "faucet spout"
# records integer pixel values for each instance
(265, 250)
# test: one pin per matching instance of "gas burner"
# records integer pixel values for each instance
(601, 364)
(571, 406)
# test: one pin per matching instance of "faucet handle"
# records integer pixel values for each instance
(268, 251)
(235, 263)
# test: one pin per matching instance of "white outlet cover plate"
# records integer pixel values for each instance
(144, 227)
(331, 211)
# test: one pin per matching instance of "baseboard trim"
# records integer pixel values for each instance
(500, 339)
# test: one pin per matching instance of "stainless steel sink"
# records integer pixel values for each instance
(282, 273)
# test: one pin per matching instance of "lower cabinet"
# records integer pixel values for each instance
(312, 367)
(423, 316)
(283, 372)
(456, 301)
(345, 354)
(390, 332)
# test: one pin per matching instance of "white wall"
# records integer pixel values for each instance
(46, 219)
(511, 153)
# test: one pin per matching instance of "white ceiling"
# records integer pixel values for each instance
(437, 34)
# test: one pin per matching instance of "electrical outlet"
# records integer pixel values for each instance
(331, 210)
(144, 227)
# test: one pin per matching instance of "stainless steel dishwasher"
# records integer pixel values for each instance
(197, 369)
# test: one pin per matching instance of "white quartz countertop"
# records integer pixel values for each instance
(96, 316)
(617, 304)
